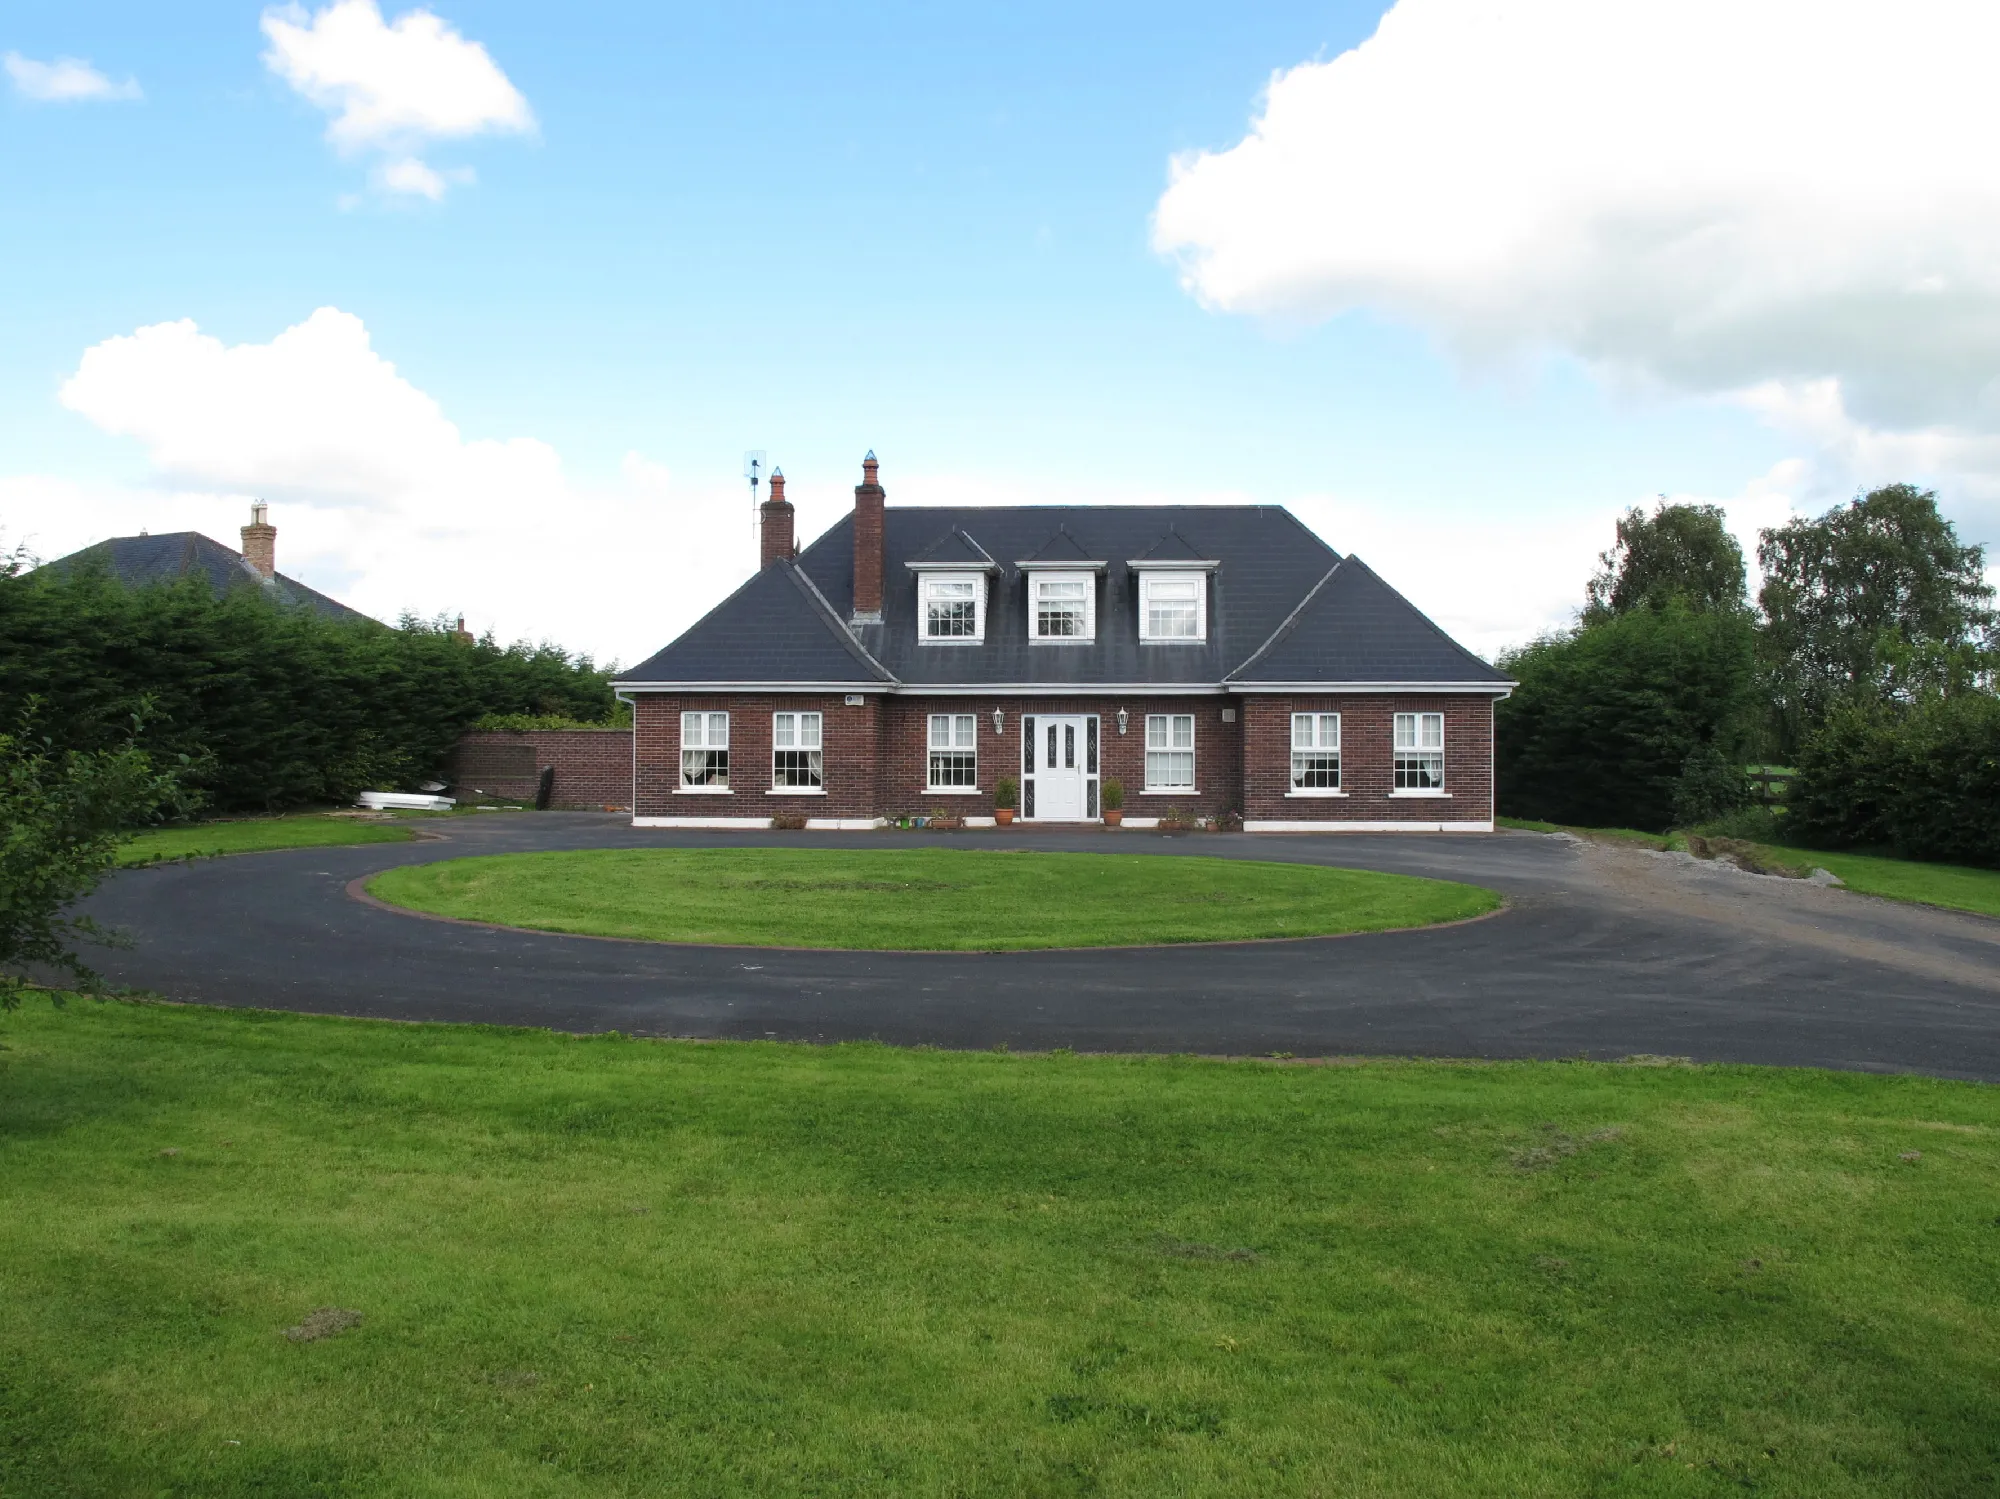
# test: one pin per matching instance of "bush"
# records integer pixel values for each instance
(62, 814)
(1712, 785)
(1111, 795)
(1922, 778)
(1007, 793)
(280, 706)
(1616, 722)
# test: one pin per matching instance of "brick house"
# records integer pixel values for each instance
(1211, 659)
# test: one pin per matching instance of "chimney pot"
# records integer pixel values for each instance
(774, 530)
(260, 541)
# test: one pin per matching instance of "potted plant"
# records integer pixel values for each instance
(1111, 796)
(942, 821)
(1006, 797)
(1174, 820)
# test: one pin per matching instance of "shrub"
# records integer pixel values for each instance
(1007, 793)
(1712, 785)
(1921, 778)
(1607, 718)
(1111, 795)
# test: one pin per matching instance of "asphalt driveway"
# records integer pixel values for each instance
(1602, 952)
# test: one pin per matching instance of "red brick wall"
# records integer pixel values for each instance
(850, 736)
(1367, 753)
(876, 756)
(1217, 751)
(593, 766)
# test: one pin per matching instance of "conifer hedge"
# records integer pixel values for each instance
(275, 706)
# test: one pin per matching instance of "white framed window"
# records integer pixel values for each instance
(1419, 752)
(953, 606)
(797, 761)
(954, 752)
(705, 750)
(1315, 753)
(1062, 606)
(1173, 606)
(1170, 752)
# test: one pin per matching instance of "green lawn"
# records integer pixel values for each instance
(1955, 886)
(256, 834)
(936, 898)
(614, 1267)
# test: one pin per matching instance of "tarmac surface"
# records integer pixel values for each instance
(1602, 952)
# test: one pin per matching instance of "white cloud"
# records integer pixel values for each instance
(379, 498)
(1784, 198)
(67, 80)
(393, 87)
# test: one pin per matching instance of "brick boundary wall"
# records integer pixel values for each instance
(593, 766)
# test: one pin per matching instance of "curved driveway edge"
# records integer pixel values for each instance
(1601, 952)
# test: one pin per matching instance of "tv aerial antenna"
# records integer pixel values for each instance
(755, 468)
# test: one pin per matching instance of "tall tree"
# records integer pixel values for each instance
(1679, 551)
(1877, 600)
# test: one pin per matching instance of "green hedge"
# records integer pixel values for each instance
(1636, 720)
(278, 707)
(1923, 779)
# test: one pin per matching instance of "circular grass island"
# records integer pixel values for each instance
(932, 899)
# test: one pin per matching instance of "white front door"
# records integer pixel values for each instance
(1059, 758)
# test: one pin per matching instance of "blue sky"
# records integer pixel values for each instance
(813, 230)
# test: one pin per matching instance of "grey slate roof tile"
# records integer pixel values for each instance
(1356, 628)
(1262, 605)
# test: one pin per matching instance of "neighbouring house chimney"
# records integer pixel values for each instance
(775, 524)
(260, 541)
(869, 497)
(462, 635)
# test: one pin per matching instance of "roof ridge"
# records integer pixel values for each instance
(1285, 625)
(832, 620)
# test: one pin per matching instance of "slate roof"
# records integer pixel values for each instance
(775, 628)
(137, 561)
(1356, 628)
(1283, 606)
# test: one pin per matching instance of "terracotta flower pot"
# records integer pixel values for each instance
(1003, 815)
(1114, 816)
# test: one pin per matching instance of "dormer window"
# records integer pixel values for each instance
(953, 606)
(1173, 606)
(1062, 606)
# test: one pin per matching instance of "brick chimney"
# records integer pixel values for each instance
(869, 497)
(260, 541)
(775, 524)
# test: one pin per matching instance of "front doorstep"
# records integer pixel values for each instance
(1266, 826)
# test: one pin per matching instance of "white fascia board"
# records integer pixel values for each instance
(1496, 689)
(953, 567)
(1062, 567)
(1144, 565)
(1062, 689)
(716, 689)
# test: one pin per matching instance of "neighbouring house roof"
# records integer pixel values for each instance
(1273, 606)
(140, 560)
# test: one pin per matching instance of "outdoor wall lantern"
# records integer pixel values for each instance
(999, 720)
(1123, 719)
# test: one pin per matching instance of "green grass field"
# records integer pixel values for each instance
(256, 835)
(938, 899)
(615, 1267)
(1955, 886)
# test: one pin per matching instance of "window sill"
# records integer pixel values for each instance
(703, 791)
(1062, 640)
(796, 791)
(1316, 793)
(1170, 791)
(953, 791)
(1424, 795)
(1173, 640)
(951, 640)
